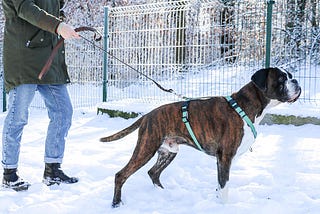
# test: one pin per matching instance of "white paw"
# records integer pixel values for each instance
(223, 193)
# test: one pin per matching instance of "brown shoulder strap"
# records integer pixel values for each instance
(97, 37)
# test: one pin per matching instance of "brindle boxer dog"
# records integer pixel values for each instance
(218, 128)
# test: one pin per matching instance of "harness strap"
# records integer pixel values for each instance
(185, 120)
(233, 104)
(242, 114)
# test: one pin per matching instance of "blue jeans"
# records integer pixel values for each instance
(59, 107)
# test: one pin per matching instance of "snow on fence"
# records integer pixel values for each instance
(195, 47)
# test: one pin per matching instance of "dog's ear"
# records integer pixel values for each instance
(259, 78)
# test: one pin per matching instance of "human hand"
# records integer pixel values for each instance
(67, 31)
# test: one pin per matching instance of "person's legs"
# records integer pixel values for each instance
(19, 101)
(17, 117)
(58, 103)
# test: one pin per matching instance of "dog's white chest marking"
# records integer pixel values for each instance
(247, 140)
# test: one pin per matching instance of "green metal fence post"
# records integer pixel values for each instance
(269, 32)
(105, 55)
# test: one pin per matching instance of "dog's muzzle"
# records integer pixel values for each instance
(297, 91)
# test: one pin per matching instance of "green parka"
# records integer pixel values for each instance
(29, 37)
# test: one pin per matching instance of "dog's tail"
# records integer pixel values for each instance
(123, 132)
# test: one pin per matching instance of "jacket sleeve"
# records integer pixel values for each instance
(29, 11)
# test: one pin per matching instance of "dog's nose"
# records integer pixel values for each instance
(294, 81)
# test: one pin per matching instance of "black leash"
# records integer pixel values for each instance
(97, 33)
(136, 70)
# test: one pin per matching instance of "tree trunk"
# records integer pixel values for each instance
(227, 40)
(294, 26)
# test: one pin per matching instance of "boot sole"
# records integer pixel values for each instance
(21, 188)
(50, 182)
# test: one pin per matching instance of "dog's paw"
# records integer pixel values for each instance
(116, 204)
(222, 194)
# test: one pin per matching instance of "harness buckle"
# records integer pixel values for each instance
(185, 114)
(184, 108)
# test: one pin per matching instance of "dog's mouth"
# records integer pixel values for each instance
(295, 98)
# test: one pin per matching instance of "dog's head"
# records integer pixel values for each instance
(277, 84)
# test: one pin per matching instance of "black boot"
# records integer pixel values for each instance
(54, 175)
(13, 181)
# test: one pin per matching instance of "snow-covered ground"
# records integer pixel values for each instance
(281, 175)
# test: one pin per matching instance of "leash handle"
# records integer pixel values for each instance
(97, 37)
(97, 34)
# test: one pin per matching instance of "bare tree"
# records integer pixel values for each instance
(227, 40)
(295, 20)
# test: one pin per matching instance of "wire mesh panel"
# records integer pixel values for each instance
(196, 48)
(224, 45)
(147, 38)
(203, 48)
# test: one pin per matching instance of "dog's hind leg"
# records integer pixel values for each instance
(166, 153)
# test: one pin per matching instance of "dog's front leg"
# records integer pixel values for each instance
(165, 156)
(223, 166)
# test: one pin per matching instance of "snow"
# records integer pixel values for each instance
(280, 175)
